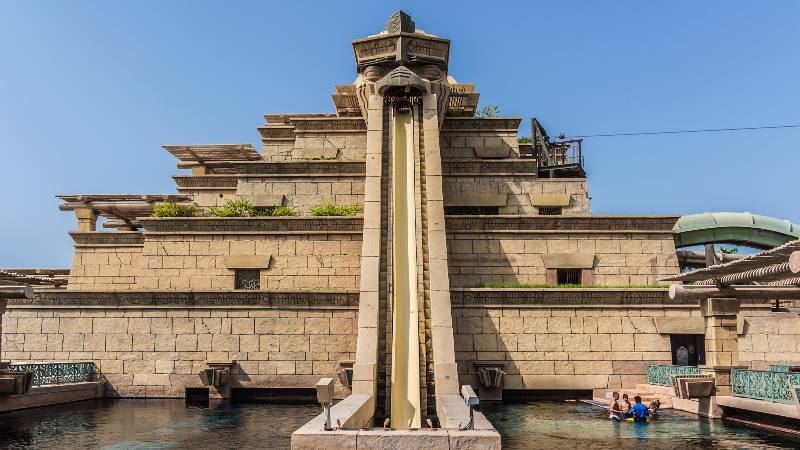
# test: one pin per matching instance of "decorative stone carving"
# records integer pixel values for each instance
(281, 299)
(401, 77)
(400, 22)
(277, 225)
(654, 224)
(100, 239)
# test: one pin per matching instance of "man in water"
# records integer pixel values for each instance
(639, 411)
(615, 409)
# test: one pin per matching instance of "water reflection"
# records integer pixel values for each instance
(153, 424)
(546, 424)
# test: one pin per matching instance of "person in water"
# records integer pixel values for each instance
(626, 405)
(639, 411)
(615, 409)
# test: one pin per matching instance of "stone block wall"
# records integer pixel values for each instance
(621, 259)
(299, 261)
(347, 144)
(197, 262)
(519, 188)
(462, 143)
(106, 268)
(564, 348)
(304, 192)
(158, 352)
(769, 338)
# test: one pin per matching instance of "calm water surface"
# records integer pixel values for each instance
(155, 424)
(568, 425)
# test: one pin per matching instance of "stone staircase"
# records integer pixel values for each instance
(646, 391)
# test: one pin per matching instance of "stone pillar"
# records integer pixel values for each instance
(87, 219)
(3, 302)
(721, 340)
(367, 351)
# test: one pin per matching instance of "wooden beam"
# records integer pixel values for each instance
(774, 271)
(769, 292)
(22, 291)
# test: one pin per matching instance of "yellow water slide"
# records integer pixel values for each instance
(405, 325)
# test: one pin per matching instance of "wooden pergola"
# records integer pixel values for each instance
(213, 158)
(770, 274)
(120, 210)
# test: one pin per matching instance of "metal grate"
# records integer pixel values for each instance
(248, 279)
(569, 276)
(550, 211)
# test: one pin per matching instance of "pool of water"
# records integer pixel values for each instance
(154, 424)
(570, 425)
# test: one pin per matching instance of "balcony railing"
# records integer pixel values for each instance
(659, 374)
(56, 373)
(783, 368)
(768, 385)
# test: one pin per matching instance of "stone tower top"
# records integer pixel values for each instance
(400, 22)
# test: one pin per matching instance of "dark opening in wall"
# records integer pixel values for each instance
(568, 276)
(550, 211)
(274, 395)
(247, 279)
(196, 395)
(472, 210)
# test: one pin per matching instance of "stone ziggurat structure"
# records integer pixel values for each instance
(386, 301)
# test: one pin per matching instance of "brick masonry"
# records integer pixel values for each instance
(159, 351)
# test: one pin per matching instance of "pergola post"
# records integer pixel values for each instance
(87, 219)
(721, 339)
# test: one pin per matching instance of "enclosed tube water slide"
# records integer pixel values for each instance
(750, 230)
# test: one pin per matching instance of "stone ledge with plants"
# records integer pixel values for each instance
(241, 216)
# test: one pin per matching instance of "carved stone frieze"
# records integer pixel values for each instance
(250, 225)
(470, 224)
(302, 168)
(201, 181)
(97, 238)
(500, 167)
(274, 299)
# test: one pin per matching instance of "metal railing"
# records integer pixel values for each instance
(660, 374)
(783, 368)
(56, 372)
(766, 385)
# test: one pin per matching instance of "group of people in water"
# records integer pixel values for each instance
(637, 412)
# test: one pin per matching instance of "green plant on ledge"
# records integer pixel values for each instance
(239, 207)
(172, 209)
(524, 140)
(502, 285)
(329, 209)
(242, 207)
(276, 211)
(488, 111)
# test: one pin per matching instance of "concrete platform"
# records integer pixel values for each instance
(52, 395)
(759, 406)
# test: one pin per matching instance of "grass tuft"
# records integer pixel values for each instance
(172, 209)
(329, 209)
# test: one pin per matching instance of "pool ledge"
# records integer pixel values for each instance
(52, 395)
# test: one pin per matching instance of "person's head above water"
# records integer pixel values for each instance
(625, 396)
(637, 399)
(615, 394)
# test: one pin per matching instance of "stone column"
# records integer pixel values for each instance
(721, 340)
(87, 219)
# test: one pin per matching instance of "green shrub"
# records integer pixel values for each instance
(172, 209)
(488, 111)
(239, 207)
(329, 209)
(275, 211)
(524, 140)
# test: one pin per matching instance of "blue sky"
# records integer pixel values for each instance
(90, 90)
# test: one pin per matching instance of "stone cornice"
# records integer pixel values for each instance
(205, 181)
(470, 167)
(101, 239)
(252, 225)
(533, 224)
(328, 124)
(481, 124)
(301, 168)
(188, 299)
(562, 297)
(574, 298)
